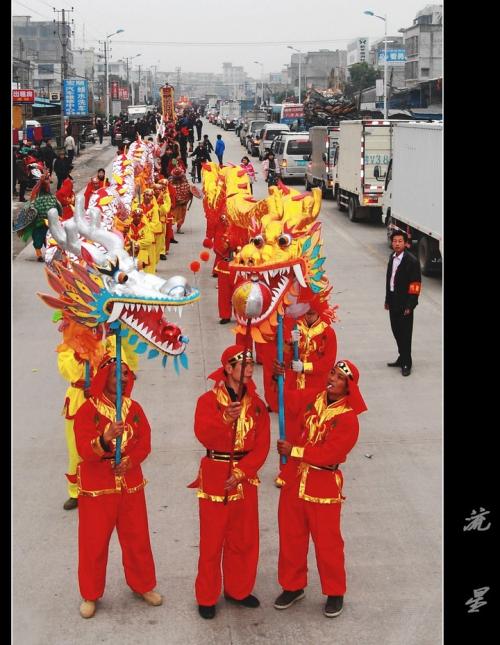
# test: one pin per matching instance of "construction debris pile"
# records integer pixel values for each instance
(327, 107)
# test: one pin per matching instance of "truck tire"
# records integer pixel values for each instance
(353, 210)
(427, 252)
(376, 215)
(340, 205)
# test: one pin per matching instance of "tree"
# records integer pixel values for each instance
(362, 76)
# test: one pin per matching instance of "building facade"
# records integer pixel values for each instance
(358, 51)
(424, 46)
(316, 68)
(395, 73)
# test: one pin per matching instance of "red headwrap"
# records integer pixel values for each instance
(100, 378)
(234, 352)
(354, 398)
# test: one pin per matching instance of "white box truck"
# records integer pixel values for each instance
(362, 159)
(414, 189)
(228, 113)
(321, 171)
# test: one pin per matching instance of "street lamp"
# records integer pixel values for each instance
(300, 63)
(384, 18)
(261, 81)
(118, 31)
(126, 59)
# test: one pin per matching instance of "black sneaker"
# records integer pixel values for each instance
(396, 363)
(70, 503)
(249, 601)
(163, 256)
(174, 242)
(224, 321)
(287, 598)
(334, 606)
(206, 611)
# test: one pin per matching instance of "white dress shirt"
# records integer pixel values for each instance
(395, 264)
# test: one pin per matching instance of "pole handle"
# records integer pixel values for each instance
(281, 387)
(118, 453)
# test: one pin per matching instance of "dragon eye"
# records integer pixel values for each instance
(284, 240)
(258, 241)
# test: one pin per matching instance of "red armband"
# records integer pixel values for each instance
(414, 288)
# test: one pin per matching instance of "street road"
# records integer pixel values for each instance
(393, 477)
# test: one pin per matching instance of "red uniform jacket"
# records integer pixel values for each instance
(216, 433)
(318, 352)
(95, 475)
(322, 435)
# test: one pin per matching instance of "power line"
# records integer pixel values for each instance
(220, 44)
(30, 9)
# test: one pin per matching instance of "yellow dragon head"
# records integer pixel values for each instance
(283, 257)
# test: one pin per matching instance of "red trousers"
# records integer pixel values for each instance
(224, 295)
(231, 533)
(97, 517)
(169, 234)
(297, 520)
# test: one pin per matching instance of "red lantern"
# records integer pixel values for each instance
(207, 243)
(195, 267)
(205, 256)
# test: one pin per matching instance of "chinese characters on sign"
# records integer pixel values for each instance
(477, 601)
(394, 56)
(123, 94)
(23, 96)
(76, 94)
(362, 50)
(114, 90)
(476, 520)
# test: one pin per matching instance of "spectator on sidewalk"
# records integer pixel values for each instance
(70, 147)
(48, 155)
(220, 146)
(22, 174)
(61, 168)
(99, 126)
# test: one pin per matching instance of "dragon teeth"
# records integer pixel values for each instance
(297, 269)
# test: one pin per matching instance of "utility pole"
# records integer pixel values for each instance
(178, 88)
(139, 87)
(63, 39)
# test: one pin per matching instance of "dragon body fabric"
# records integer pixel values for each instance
(130, 173)
(282, 254)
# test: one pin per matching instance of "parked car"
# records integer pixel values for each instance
(268, 134)
(251, 130)
(292, 151)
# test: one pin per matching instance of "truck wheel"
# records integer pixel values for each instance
(376, 215)
(427, 252)
(340, 205)
(352, 211)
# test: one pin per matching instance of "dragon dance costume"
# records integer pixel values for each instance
(107, 500)
(322, 434)
(229, 532)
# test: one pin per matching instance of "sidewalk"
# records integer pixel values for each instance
(85, 165)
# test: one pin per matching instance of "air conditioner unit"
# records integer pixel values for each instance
(55, 96)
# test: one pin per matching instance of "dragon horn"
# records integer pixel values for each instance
(56, 228)
(55, 303)
(55, 281)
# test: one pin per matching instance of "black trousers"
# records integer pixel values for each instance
(402, 328)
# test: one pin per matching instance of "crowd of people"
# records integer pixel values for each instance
(231, 421)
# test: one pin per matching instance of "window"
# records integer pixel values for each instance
(45, 68)
(411, 70)
(297, 147)
(424, 71)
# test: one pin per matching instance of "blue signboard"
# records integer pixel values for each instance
(394, 56)
(76, 96)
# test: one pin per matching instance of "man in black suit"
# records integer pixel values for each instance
(402, 288)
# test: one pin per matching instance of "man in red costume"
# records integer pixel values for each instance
(111, 495)
(224, 248)
(66, 197)
(227, 490)
(317, 345)
(322, 428)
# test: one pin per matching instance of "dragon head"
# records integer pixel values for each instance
(283, 257)
(110, 289)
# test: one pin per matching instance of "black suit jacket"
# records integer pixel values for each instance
(407, 283)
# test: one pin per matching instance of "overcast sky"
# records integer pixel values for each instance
(150, 25)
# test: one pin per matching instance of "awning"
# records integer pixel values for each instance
(46, 105)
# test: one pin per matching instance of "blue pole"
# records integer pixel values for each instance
(295, 346)
(281, 387)
(118, 455)
(87, 374)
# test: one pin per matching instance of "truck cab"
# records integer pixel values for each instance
(321, 171)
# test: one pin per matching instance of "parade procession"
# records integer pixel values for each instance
(208, 443)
